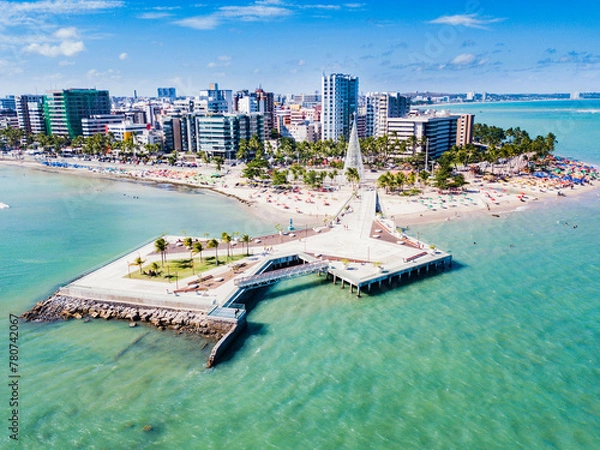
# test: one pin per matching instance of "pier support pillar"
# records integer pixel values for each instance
(342, 283)
(334, 279)
(358, 291)
(369, 287)
(380, 283)
(351, 288)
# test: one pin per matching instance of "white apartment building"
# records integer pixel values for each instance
(439, 132)
(99, 123)
(339, 104)
(381, 106)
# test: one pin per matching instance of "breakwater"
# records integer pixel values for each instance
(61, 307)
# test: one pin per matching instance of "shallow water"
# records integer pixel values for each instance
(500, 352)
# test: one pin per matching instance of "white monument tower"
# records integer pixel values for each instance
(353, 156)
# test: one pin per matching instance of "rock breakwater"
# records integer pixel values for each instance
(61, 307)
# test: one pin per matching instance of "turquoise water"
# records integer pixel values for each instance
(500, 352)
(574, 122)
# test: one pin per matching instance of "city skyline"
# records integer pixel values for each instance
(285, 47)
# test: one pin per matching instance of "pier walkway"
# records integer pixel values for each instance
(264, 279)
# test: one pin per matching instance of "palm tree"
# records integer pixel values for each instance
(246, 240)
(161, 246)
(188, 242)
(400, 180)
(138, 262)
(154, 267)
(226, 237)
(352, 176)
(213, 243)
(197, 248)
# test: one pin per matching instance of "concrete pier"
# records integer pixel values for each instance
(358, 248)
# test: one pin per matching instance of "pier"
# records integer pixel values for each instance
(357, 250)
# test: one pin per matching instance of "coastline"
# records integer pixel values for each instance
(308, 208)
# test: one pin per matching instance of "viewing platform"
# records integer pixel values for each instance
(357, 248)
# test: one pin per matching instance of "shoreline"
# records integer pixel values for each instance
(311, 208)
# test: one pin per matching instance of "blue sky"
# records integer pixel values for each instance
(285, 46)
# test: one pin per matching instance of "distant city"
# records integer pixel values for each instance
(216, 120)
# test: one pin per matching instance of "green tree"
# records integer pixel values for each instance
(279, 177)
(198, 248)
(161, 246)
(139, 262)
(246, 240)
(213, 243)
(352, 176)
(226, 237)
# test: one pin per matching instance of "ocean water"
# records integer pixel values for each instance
(574, 122)
(500, 352)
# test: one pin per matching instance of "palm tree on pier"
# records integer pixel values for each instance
(138, 262)
(161, 246)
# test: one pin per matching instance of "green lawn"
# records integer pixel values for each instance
(179, 268)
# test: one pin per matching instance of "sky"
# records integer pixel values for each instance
(285, 46)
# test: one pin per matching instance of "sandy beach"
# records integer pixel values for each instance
(311, 208)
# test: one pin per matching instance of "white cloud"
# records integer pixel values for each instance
(66, 48)
(254, 13)
(200, 22)
(222, 61)
(465, 20)
(259, 11)
(123, 56)
(18, 13)
(95, 74)
(464, 59)
(154, 15)
(326, 7)
(66, 62)
(8, 68)
(66, 33)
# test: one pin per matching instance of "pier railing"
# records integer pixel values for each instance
(264, 279)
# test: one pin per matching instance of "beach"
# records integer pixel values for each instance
(306, 207)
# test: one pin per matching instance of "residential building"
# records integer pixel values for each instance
(180, 132)
(381, 106)
(214, 101)
(167, 93)
(138, 133)
(8, 102)
(64, 109)
(436, 134)
(464, 132)
(219, 135)
(339, 104)
(98, 123)
(30, 113)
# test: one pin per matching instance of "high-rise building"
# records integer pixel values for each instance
(30, 111)
(214, 101)
(220, 135)
(8, 102)
(435, 134)
(265, 102)
(380, 106)
(167, 92)
(464, 131)
(64, 109)
(98, 123)
(340, 102)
